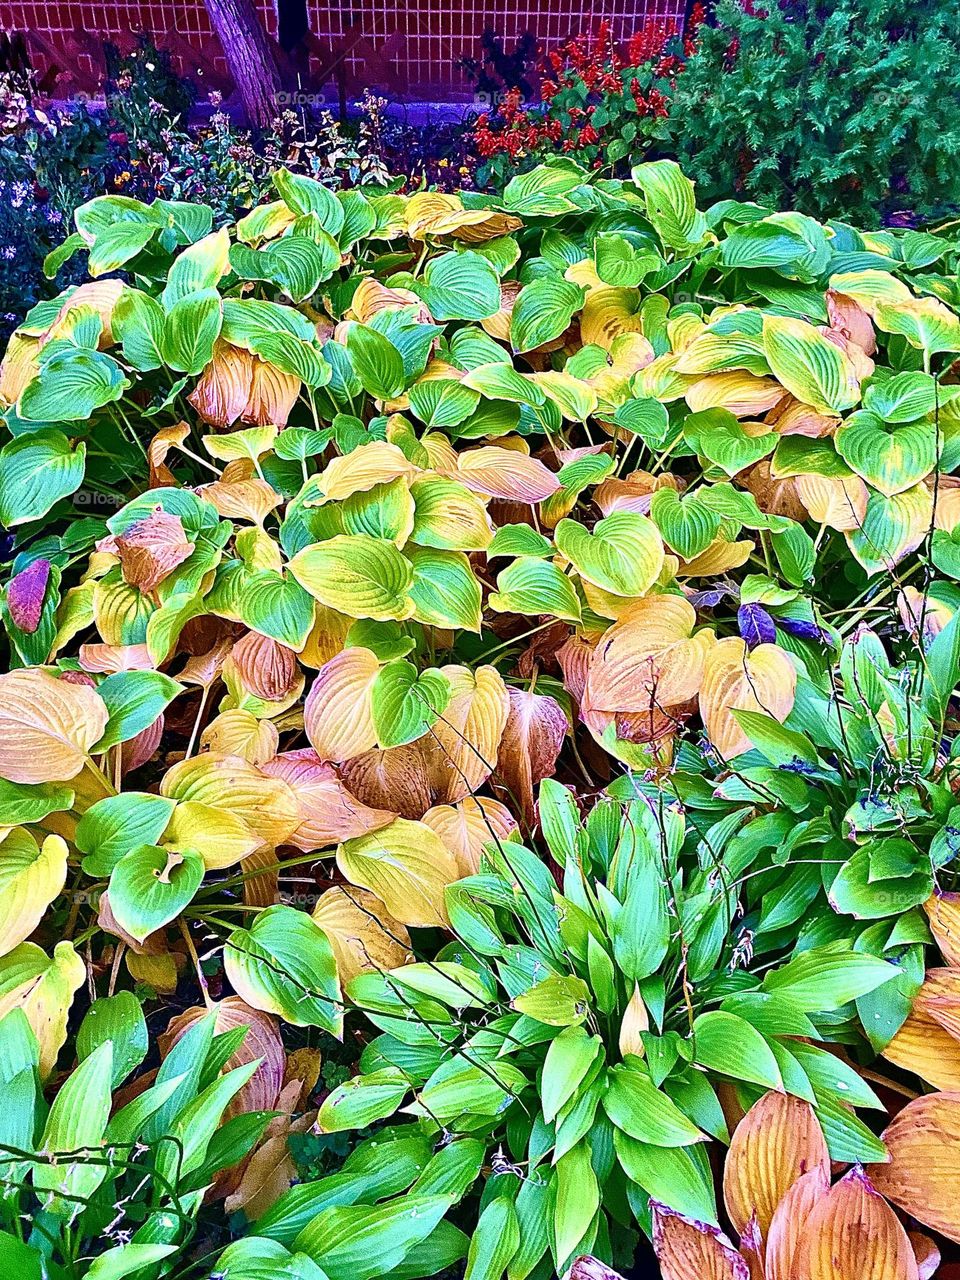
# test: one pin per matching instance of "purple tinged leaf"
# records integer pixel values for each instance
(756, 625)
(800, 628)
(25, 594)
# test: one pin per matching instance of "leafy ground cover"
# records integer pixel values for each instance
(478, 738)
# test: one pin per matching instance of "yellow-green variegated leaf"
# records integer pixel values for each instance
(925, 323)
(892, 527)
(808, 365)
(407, 866)
(889, 456)
(43, 987)
(533, 586)
(30, 878)
(360, 576)
(449, 517)
(445, 590)
(623, 554)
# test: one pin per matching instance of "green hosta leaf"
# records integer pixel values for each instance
(305, 195)
(501, 381)
(638, 1108)
(118, 1019)
(568, 1059)
(267, 602)
(71, 385)
(519, 540)
(721, 439)
(192, 327)
(36, 471)
(558, 1001)
(578, 1199)
(22, 803)
(297, 264)
(810, 367)
(624, 258)
(623, 554)
(821, 980)
(360, 576)
(150, 886)
(377, 362)
(672, 1175)
(533, 586)
(889, 457)
(687, 525)
(77, 1120)
(361, 1242)
(646, 418)
(198, 268)
(404, 704)
(445, 591)
(542, 192)
(862, 889)
(671, 204)
(361, 1101)
(284, 965)
(117, 244)
(891, 527)
(543, 311)
(134, 699)
(460, 286)
(442, 402)
(256, 1258)
(728, 1044)
(904, 397)
(138, 322)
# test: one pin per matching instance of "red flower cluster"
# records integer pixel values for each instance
(624, 85)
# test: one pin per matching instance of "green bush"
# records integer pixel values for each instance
(848, 108)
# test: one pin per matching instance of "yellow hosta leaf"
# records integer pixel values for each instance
(239, 733)
(424, 208)
(358, 575)
(251, 499)
(735, 678)
(373, 464)
(449, 517)
(839, 502)
(266, 805)
(505, 473)
(43, 987)
(338, 715)
(327, 637)
(220, 838)
(468, 827)
(407, 866)
(744, 394)
(361, 931)
(635, 1020)
(719, 557)
(790, 1222)
(252, 443)
(943, 913)
(472, 226)
(649, 658)
(462, 745)
(30, 879)
(19, 366)
(608, 313)
(371, 296)
(47, 726)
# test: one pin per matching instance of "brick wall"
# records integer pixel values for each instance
(422, 40)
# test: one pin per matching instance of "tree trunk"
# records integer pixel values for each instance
(249, 56)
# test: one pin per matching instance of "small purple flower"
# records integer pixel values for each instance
(756, 625)
(25, 594)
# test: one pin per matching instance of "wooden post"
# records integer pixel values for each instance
(249, 56)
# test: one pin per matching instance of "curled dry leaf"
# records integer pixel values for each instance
(467, 827)
(853, 1234)
(266, 668)
(926, 1253)
(328, 812)
(150, 549)
(398, 777)
(531, 742)
(166, 439)
(136, 751)
(47, 726)
(223, 390)
(361, 931)
(923, 1175)
(763, 679)
(688, 1250)
(262, 1040)
(777, 1141)
(261, 877)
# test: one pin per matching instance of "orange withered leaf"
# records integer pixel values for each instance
(361, 931)
(461, 746)
(777, 1141)
(273, 394)
(223, 391)
(262, 1040)
(337, 713)
(688, 1250)
(735, 678)
(505, 473)
(943, 913)
(789, 1223)
(328, 811)
(925, 1047)
(531, 742)
(468, 827)
(926, 1253)
(923, 1175)
(853, 1234)
(168, 438)
(850, 319)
